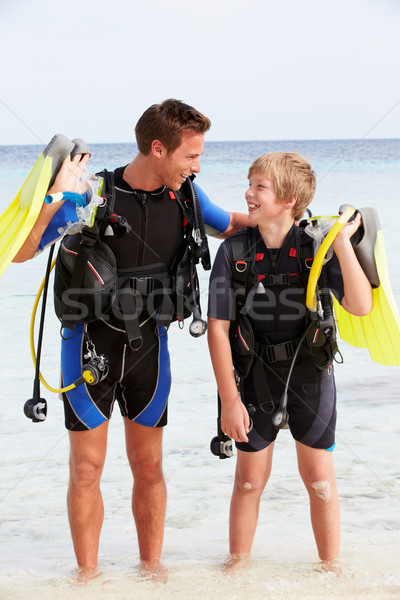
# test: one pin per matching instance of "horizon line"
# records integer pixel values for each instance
(340, 139)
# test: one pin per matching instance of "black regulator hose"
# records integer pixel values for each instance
(281, 417)
(36, 407)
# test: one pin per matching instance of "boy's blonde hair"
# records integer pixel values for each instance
(292, 175)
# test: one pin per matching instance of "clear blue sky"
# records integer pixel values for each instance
(260, 69)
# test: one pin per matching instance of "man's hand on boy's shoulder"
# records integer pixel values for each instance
(237, 222)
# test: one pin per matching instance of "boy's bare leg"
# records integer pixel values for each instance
(318, 473)
(252, 473)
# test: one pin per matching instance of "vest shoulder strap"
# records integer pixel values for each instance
(241, 248)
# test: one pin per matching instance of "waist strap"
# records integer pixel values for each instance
(280, 352)
(133, 290)
(280, 279)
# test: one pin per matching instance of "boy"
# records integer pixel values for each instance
(281, 185)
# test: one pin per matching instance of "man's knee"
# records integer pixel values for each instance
(86, 473)
(87, 455)
(148, 469)
(85, 476)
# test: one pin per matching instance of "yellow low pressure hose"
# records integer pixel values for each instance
(315, 272)
(32, 341)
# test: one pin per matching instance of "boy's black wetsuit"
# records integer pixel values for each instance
(139, 380)
(277, 314)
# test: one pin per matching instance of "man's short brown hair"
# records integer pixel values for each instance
(167, 122)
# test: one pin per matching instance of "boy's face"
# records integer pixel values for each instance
(262, 201)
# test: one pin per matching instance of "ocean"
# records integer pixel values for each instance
(36, 555)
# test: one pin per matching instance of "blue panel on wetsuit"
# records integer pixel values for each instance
(151, 415)
(214, 216)
(79, 399)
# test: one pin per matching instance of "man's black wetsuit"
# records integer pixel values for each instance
(139, 380)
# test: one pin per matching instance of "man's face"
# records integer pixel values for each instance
(184, 161)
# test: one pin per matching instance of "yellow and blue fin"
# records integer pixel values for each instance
(20, 216)
(379, 331)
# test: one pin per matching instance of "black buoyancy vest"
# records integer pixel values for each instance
(246, 341)
(88, 283)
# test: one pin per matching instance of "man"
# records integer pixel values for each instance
(170, 139)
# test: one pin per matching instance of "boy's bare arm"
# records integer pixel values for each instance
(357, 298)
(234, 416)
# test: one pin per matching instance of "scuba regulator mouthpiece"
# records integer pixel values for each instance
(36, 410)
(36, 407)
(221, 447)
(221, 444)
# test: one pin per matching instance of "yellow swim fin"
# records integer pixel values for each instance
(380, 330)
(18, 219)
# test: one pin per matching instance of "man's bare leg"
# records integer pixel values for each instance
(85, 504)
(144, 451)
